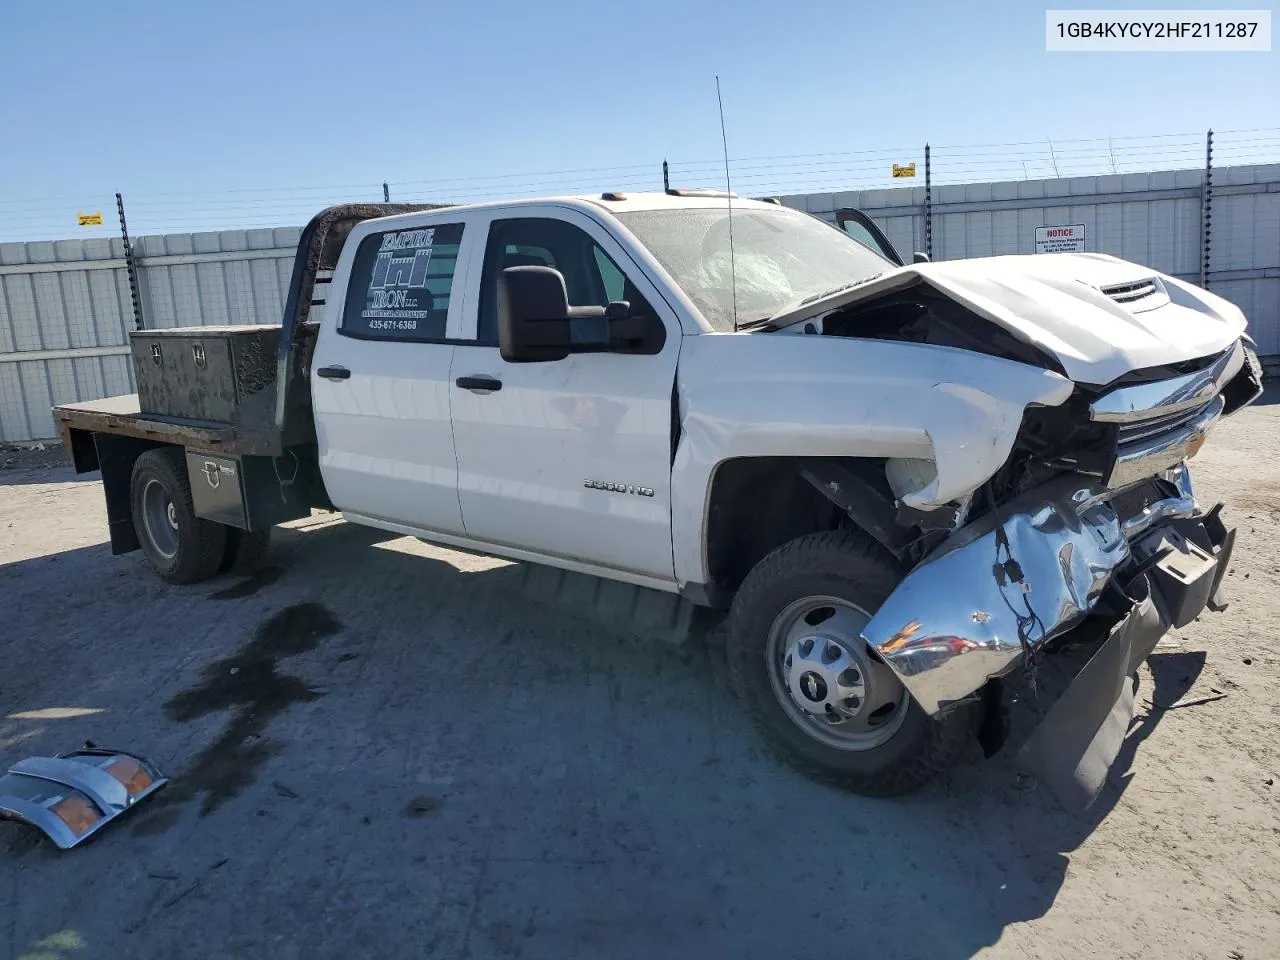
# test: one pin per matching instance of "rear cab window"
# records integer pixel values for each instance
(400, 284)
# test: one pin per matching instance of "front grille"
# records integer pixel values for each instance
(1129, 292)
(1154, 426)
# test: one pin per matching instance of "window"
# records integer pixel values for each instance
(614, 282)
(400, 284)
(863, 229)
(779, 257)
(591, 278)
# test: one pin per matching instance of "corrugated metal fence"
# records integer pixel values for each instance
(65, 308)
(1149, 218)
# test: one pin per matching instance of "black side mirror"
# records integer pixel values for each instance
(535, 321)
(919, 257)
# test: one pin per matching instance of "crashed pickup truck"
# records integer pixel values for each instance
(911, 485)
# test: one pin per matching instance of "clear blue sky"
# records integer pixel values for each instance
(192, 98)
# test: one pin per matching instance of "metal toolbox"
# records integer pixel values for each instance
(218, 374)
(252, 493)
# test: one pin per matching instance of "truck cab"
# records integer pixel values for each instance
(423, 427)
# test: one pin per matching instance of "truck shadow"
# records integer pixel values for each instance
(603, 795)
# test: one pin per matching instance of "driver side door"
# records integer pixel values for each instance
(571, 458)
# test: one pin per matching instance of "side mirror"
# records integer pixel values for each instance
(919, 257)
(535, 321)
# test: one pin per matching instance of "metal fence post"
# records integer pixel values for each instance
(1206, 210)
(386, 192)
(131, 266)
(928, 205)
(666, 179)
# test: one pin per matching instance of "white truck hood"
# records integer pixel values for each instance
(1100, 316)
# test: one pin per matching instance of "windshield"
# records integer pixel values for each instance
(780, 257)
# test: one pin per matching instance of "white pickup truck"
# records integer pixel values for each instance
(910, 485)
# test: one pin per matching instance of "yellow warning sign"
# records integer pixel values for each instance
(908, 171)
(95, 219)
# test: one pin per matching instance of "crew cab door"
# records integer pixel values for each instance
(568, 458)
(380, 382)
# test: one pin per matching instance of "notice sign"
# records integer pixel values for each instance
(90, 219)
(904, 171)
(1069, 239)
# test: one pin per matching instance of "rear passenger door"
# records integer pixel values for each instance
(380, 374)
(569, 458)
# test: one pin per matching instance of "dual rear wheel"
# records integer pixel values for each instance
(182, 547)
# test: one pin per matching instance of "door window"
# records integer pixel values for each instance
(863, 229)
(612, 278)
(400, 284)
(591, 278)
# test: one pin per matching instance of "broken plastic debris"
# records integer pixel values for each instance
(72, 796)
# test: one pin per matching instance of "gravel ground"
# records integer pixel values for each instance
(380, 749)
(32, 456)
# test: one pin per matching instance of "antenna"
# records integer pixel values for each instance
(733, 272)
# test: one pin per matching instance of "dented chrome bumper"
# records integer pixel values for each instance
(1006, 586)
(972, 609)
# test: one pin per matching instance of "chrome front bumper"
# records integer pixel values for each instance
(971, 610)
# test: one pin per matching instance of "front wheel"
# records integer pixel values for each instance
(798, 662)
(181, 547)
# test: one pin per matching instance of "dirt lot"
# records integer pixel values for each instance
(380, 749)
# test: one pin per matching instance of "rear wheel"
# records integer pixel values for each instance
(811, 684)
(181, 547)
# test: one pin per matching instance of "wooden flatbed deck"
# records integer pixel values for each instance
(122, 416)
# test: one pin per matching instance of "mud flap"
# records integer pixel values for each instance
(1079, 738)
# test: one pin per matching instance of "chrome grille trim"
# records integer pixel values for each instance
(1166, 448)
(1142, 429)
(1145, 402)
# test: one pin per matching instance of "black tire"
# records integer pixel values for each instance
(196, 546)
(853, 568)
(244, 551)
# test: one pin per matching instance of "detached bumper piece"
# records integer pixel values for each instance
(1007, 586)
(72, 796)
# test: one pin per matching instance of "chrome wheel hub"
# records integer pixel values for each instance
(823, 678)
(826, 679)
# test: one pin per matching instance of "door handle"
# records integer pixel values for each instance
(479, 384)
(333, 373)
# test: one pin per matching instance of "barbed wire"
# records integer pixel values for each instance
(250, 208)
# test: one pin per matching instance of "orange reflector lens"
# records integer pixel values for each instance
(130, 773)
(76, 812)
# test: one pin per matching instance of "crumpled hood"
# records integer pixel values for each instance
(1100, 316)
